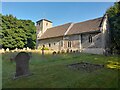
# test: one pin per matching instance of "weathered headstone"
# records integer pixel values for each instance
(3, 50)
(16, 49)
(22, 65)
(54, 53)
(24, 49)
(67, 51)
(27, 48)
(7, 50)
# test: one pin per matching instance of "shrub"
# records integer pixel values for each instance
(114, 65)
(45, 48)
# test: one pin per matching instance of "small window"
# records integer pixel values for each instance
(90, 39)
(46, 24)
(37, 23)
(61, 43)
(43, 45)
(81, 38)
(54, 43)
(49, 45)
(69, 44)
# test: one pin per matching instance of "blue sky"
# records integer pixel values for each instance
(58, 13)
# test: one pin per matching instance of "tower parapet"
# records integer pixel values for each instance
(41, 26)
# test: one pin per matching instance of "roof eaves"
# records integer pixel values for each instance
(50, 37)
(84, 32)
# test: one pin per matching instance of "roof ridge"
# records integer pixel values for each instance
(88, 20)
(60, 25)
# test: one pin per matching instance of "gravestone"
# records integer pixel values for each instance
(67, 51)
(3, 50)
(43, 50)
(24, 49)
(16, 49)
(22, 65)
(58, 52)
(7, 50)
(54, 53)
(27, 48)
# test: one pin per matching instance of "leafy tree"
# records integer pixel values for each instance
(114, 19)
(17, 33)
(0, 30)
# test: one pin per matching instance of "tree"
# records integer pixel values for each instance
(17, 33)
(114, 19)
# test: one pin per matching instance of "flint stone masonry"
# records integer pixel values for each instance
(22, 65)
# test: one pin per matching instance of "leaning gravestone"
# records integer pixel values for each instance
(22, 65)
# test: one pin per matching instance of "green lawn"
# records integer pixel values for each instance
(52, 72)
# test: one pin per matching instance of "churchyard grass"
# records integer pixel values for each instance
(52, 72)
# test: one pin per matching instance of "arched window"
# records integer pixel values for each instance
(90, 38)
(46, 24)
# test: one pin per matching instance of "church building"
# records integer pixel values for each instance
(91, 36)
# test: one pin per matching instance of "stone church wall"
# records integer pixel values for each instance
(51, 44)
(74, 39)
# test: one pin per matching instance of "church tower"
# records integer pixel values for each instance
(41, 26)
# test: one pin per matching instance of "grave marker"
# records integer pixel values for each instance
(22, 65)
(7, 49)
(43, 49)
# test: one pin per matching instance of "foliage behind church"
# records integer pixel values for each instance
(114, 19)
(17, 33)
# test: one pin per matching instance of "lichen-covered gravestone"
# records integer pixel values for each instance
(22, 65)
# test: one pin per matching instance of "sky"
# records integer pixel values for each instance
(57, 12)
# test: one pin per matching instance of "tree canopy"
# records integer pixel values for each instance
(17, 33)
(114, 19)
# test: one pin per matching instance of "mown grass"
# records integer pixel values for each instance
(52, 72)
